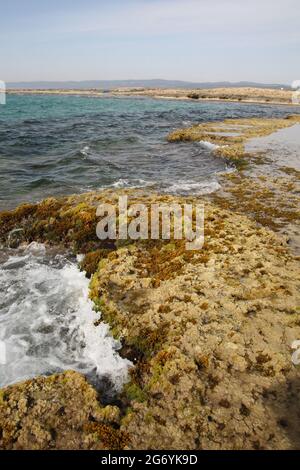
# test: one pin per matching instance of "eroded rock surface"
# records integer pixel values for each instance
(57, 412)
(209, 331)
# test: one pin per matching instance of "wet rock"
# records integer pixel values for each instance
(57, 412)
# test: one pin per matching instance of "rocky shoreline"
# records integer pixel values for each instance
(209, 332)
(239, 95)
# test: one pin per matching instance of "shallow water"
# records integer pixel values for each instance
(281, 159)
(47, 321)
(53, 145)
(282, 147)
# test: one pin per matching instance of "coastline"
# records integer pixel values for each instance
(209, 332)
(231, 95)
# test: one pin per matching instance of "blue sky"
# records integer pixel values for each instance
(197, 40)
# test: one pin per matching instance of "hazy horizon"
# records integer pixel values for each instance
(146, 83)
(194, 40)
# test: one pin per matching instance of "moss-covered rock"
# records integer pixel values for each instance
(57, 412)
(209, 331)
(230, 135)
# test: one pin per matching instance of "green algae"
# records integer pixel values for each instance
(232, 147)
(162, 300)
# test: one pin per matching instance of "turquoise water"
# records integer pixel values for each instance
(54, 145)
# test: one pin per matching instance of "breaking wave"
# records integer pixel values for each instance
(47, 322)
(190, 187)
(208, 145)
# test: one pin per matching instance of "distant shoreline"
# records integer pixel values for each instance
(238, 95)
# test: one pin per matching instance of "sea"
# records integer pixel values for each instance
(53, 145)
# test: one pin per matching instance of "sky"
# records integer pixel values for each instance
(194, 40)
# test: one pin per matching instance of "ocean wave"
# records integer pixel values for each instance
(121, 183)
(191, 187)
(208, 145)
(47, 322)
(126, 183)
(85, 151)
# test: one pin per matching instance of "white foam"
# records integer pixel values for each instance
(208, 145)
(135, 183)
(85, 151)
(191, 187)
(47, 322)
(121, 183)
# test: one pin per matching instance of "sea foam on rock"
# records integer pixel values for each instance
(48, 322)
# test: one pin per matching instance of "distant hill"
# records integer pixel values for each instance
(156, 83)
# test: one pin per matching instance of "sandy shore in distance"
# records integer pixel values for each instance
(246, 94)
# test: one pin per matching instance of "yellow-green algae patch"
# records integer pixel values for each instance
(209, 332)
(199, 336)
(58, 412)
(232, 146)
(272, 200)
